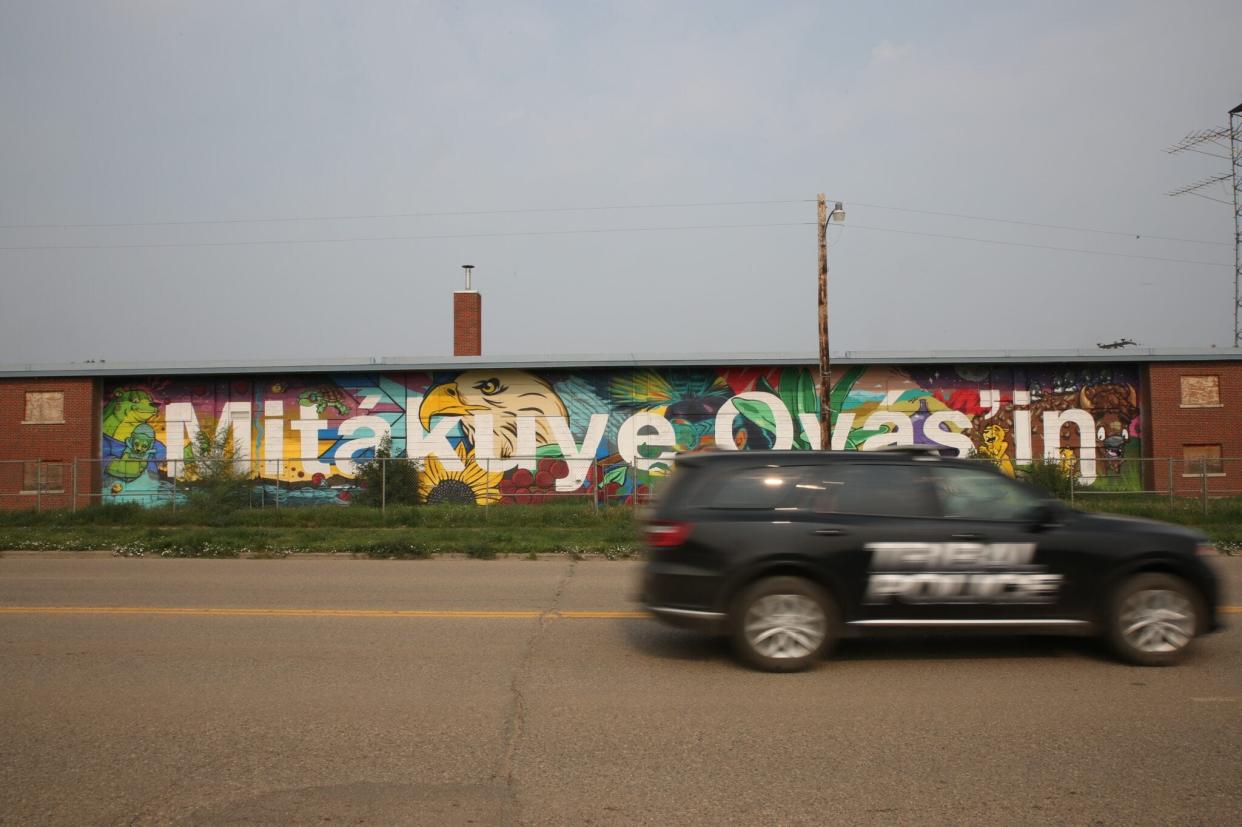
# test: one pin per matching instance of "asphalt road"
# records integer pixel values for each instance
(515, 691)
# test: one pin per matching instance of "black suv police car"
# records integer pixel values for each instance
(786, 551)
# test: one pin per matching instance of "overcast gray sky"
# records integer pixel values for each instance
(1049, 112)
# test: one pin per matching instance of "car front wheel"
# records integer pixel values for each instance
(783, 624)
(1154, 619)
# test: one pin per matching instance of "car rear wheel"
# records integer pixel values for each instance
(1154, 619)
(783, 624)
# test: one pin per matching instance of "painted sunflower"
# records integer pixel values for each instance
(473, 484)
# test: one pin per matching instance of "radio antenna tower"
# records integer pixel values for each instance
(1228, 138)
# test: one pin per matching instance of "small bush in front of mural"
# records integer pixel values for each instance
(388, 479)
(397, 548)
(215, 472)
(481, 550)
(1053, 477)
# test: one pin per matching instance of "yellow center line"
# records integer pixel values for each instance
(223, 612)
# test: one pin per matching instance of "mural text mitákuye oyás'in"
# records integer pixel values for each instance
(511, 435)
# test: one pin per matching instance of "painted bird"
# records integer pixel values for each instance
(506, 394)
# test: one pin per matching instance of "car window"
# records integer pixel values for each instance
(677, 488)
(766, 487)
(978, 494)
(871, 488)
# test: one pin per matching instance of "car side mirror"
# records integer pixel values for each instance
(1048, 515)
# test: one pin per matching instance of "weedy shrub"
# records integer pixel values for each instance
(215, 473)
(481, 551)
(112, 514)
(388, 479)
(1050, 476)
(396, 548)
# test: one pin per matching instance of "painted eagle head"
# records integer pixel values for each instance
(508, 395)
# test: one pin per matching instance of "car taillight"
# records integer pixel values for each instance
(1206, 549)
(667, 534)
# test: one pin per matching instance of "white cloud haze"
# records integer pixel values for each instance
(1052, 112)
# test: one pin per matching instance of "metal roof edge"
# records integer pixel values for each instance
(407, 363)
(1048, 356)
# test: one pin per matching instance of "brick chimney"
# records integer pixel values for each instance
(467, 319)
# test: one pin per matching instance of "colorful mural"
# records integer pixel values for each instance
(514, 436)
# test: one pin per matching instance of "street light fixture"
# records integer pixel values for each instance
(825, 368)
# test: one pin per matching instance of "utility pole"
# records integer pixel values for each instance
(825, 366)
(1217, 138)
(1235, 167)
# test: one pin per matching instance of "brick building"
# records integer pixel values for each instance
(1195, 425)
(46, 422)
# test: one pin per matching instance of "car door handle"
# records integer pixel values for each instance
(967, 536)
(830, 532)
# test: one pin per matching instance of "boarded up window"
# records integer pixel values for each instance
(1200, 391)
(45, 406)
(1202, 459)
(44, 476)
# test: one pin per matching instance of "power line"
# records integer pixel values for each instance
(269, 242)
(1209, 154)
(1038, 246)
(431, 214)
(589, 231)
(603, 208)
(1037, 224)
(1209, 198)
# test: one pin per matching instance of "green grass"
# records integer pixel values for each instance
(1221, 512)
(422, 531)
(567, 515)
(1222, 520)
(416, 532)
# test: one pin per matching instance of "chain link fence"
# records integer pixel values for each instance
(310, 482)
(1173, 479)
(525, 481)
(1176, 480)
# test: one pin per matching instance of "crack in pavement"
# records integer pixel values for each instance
(515, 721)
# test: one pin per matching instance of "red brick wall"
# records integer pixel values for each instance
(76, 438)
(1169, 426)
(467, 323)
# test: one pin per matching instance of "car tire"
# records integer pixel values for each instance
(1153, 619)
(783, 624)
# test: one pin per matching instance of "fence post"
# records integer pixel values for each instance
(383, 485)
(73, 506)
(38, 486)
(1203, 488)
(595, 476)
(634, 487)
(1170, 480)
(278, 484)
(1073, 478)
